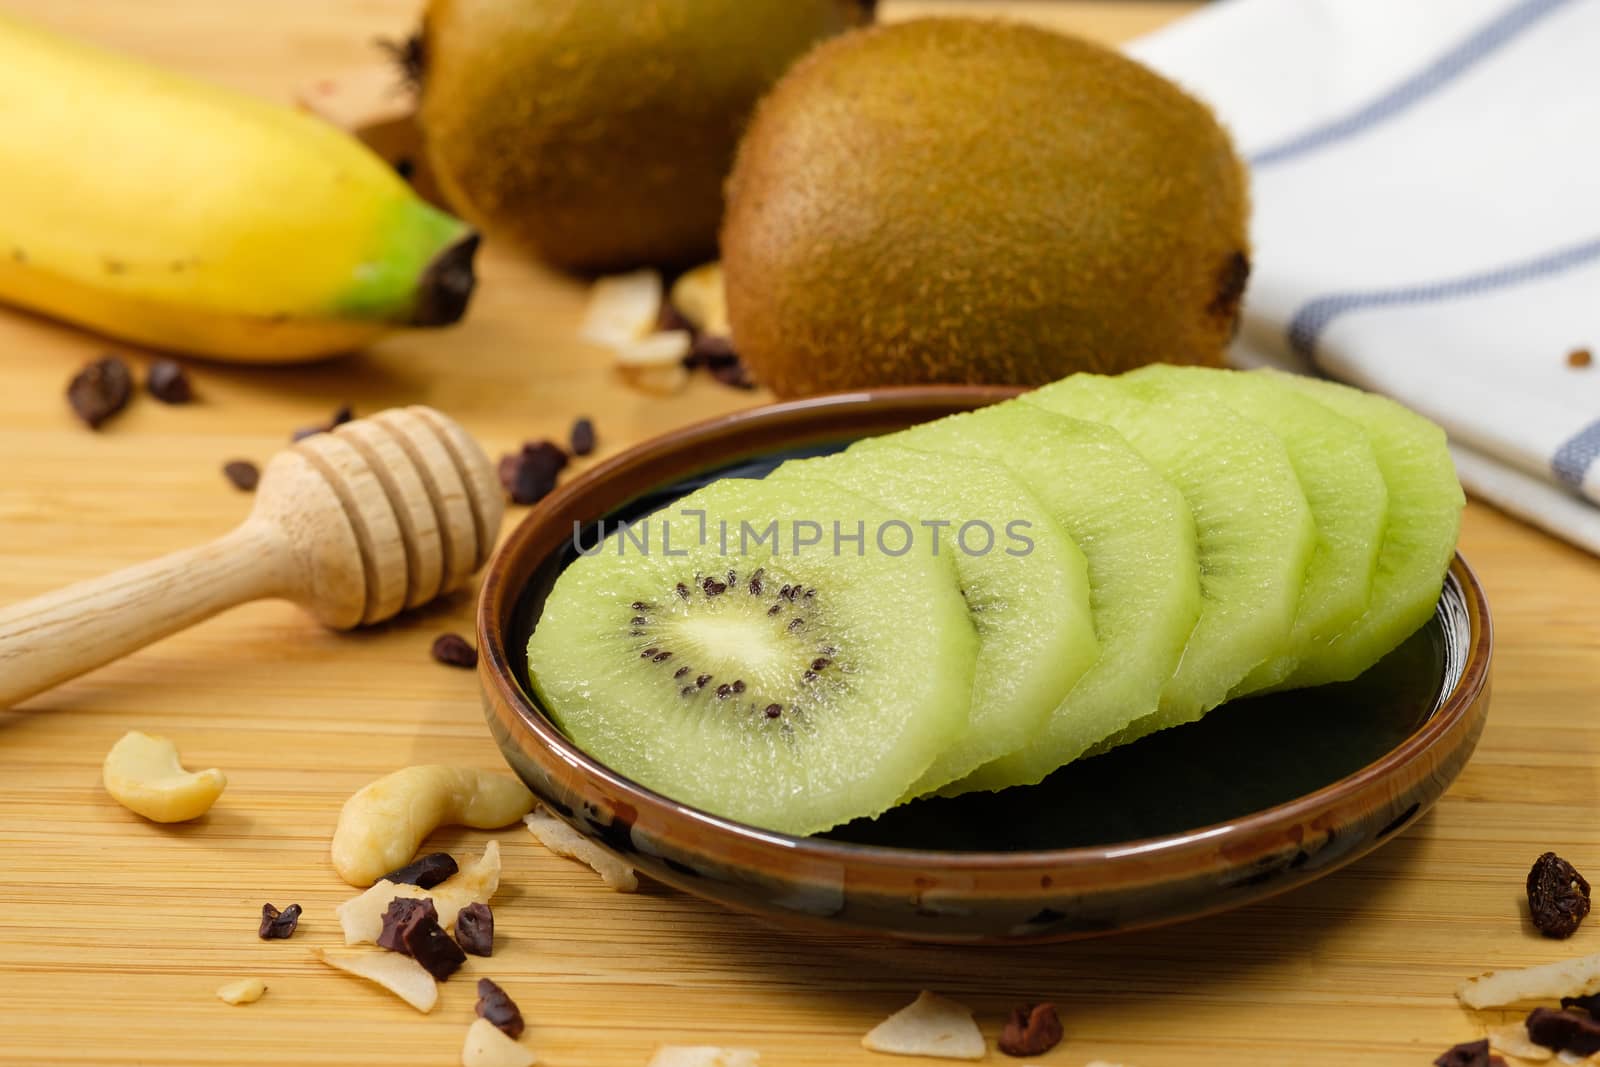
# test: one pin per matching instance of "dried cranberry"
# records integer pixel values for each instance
(243, 474)
(100, 390)
(168, 382)
(453, 651)
(528, 475)
(1031, 1030)
(1558, 896)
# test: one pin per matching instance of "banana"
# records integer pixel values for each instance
(182, 216)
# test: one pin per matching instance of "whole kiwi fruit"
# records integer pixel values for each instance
(963, 200)
(598, 134)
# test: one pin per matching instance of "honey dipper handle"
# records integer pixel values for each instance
(60, 635)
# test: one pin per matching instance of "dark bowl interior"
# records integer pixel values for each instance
(1244, 757)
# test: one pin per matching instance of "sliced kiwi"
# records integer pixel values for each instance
(1253, 526)
(1025, 582)
(1138, 539)
(736, 668)
(1343, 486)
(1419, 537)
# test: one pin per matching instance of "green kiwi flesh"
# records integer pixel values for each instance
(1419, 535)
(790, 688)
(1344, 488)
(1138, 540)
(1025, 583)
(1253, 527)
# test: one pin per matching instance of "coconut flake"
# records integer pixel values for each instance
(1514, 1041)
(487, 1046)
(664, 349)
(622, 308)
(400, 975)
(931, 1025)
(563, 840)
(704, 1056)
(1550, 981)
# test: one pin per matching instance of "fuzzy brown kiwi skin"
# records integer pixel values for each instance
(888, 222)
(598, 135)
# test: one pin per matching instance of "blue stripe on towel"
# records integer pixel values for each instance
(1311, 321)
(1576, 455)
(1479, 45)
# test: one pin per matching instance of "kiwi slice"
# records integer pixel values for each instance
(731, 665)
(1254, 529)
(1025, 582)
(1343, 485)
(1419, 537)
(1138, 540)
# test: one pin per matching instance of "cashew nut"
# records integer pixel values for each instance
(384, 823)
(244, 991)
(142, 773)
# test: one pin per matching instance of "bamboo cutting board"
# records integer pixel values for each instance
(114, 933)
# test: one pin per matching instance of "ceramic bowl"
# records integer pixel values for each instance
(1260, 796)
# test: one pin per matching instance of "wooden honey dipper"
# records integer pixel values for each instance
(381, 514)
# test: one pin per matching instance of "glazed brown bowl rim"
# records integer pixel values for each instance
(498, 599)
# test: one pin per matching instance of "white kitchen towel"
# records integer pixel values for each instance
(1426, 186)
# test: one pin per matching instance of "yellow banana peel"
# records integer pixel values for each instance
(186, 217)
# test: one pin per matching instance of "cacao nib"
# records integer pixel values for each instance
(424, 872)
(581, 437)
(475, 929)
(494, 1005)
(168, 382)
(278, 925)
(1469, 1054)
(402, 913)
(1564, 1031)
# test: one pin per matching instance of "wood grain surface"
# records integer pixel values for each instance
(114, 933)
